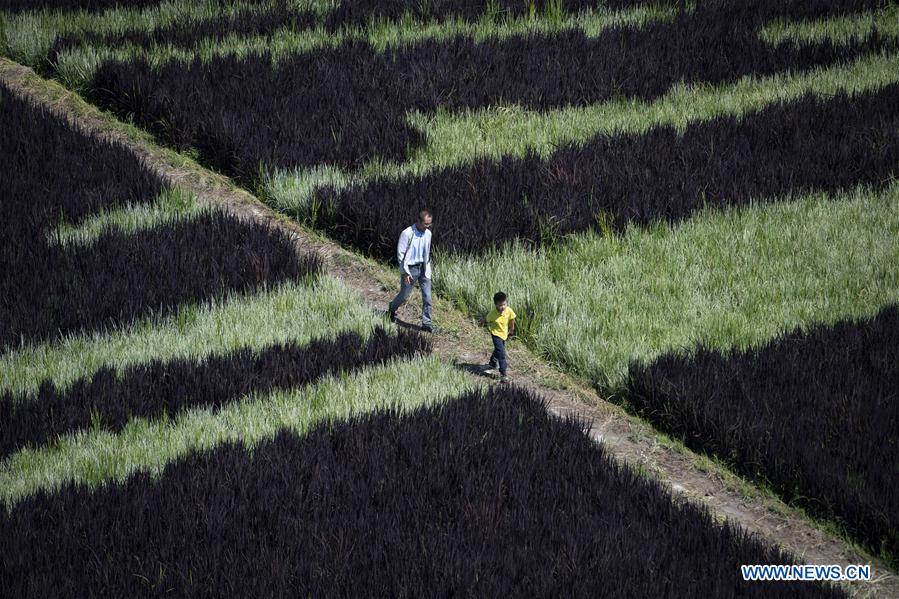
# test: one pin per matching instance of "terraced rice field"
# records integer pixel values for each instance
(693, 207)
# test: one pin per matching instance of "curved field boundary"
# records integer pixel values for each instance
(462, 343)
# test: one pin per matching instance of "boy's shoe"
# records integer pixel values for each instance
(427, 328)
(391, 316)
(504, 380)
(488, 369)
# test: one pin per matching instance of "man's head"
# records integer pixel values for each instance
(424, 220)
(499, 300)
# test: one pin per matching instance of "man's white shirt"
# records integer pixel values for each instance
(414, 247)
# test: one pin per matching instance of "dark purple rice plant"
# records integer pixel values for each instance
(814, 413)
(486, 495)
(163, 389)
(346, 106)
(609, 182)
(55, 174)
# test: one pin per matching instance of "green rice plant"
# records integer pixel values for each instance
(99, 457)
(838, 30)
(492, 12)
(75, 66)
(291, 312)
(731, 279)
(554, 11)
(173, 205)
(294, 195)
(28, 36)
(458, 138)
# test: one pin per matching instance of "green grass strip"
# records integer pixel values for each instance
(294, 311)
(839, 30)
(76, 66)
(27, 37)
(171, 206)
(97, 456)
(455, 139)
(728, 279)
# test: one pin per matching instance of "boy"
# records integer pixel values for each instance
(501, 323)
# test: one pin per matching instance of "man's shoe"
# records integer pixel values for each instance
(504, 380)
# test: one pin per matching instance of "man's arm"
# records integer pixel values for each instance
(402, 248)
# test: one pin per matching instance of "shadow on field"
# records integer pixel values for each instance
(400, 323)
(475, 369)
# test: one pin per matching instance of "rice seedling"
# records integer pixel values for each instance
(172, 206)
(455, 139)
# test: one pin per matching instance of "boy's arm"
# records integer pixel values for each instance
(512, 326)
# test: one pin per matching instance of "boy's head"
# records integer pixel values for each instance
(499, 300)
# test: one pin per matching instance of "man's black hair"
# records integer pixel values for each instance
(498, 297)
(423, 215)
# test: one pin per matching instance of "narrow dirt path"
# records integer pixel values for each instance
(460, 342)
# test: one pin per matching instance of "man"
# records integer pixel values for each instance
(413, 252)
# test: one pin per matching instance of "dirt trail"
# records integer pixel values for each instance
(459, 341)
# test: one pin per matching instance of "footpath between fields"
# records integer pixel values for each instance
(460, 341)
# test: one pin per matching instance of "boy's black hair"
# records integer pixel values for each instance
(498, 297)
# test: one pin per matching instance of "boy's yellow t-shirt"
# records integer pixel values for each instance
(499, 323)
